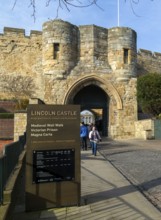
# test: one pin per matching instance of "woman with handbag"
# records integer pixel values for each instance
(94, 138)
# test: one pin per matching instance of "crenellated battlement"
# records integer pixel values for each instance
(144, 52)
(62, 46)
(149, 54)
(148, 62)
(9, 31)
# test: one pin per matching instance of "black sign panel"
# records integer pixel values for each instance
(53, 165)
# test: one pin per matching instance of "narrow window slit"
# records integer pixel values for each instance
(126, 56)
(56, 48)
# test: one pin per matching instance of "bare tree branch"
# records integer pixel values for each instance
(61, 4)
(33, 5)
(17, 86)
(132, 2)
(15, 2)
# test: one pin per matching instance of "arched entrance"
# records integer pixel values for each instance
(95, 93)
(94, 99)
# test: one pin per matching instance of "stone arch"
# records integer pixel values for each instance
(106, 86)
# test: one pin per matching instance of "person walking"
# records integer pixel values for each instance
(90, 126)
(84, 135)
(94, 138)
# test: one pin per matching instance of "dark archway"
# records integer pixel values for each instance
(92, 97)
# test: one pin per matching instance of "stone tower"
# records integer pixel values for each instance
(94, 67)
(122, 52)
(60, 48)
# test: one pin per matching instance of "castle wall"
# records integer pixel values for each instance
(20, 123)
(64, 58)
(21, 55)
(93, 45)
(148, 62)
(144, 129)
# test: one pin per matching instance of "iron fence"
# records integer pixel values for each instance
(8, 161)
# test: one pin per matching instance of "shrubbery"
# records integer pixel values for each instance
(149, 93)
(6, 115)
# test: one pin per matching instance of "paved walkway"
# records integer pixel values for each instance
(105, 195)
(140, 162)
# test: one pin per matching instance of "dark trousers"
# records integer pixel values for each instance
(84, 143)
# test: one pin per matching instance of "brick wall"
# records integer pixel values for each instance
(6, 128)
(7, 106)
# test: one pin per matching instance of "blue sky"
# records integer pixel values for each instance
(146, 22)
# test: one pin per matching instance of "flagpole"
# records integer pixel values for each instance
(118, 12)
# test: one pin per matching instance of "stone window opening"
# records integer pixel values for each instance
(56, 48)
(126, 56)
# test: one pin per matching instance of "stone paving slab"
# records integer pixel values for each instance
(105, 195)
(140, 162)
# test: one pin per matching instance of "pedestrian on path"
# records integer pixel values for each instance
(94, 138)
(90, 126)
(84, 135)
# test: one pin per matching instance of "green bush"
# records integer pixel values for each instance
(6, 115)
(149, 93)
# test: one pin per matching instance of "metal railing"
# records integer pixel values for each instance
(8, 161)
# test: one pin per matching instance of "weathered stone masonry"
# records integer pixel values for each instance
(64, 59)
(20, 54)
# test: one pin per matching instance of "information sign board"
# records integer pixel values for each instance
(52, 156)
(53, 165)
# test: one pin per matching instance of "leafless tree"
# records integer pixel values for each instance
(134, 2)
(17, 87)
(67, 4)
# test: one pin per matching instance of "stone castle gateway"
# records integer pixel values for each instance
(92, 66)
